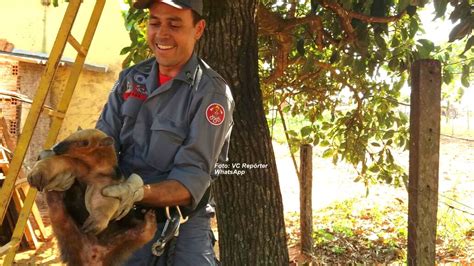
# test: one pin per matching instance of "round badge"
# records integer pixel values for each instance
(139, 78)
(215, 114)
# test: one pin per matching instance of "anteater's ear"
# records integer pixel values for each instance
(107, 141)
(79, 128)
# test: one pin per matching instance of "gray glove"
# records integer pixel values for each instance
(127, 192)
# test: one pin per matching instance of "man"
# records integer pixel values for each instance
(171, 118)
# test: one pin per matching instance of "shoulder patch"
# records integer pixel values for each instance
(215, 114)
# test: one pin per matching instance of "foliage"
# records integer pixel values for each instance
(345, 76)
(135, 23)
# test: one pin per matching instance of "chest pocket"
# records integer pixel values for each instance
(165, 139)
(129, 109)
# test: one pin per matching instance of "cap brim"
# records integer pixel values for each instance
(173, 4)
(142, 4)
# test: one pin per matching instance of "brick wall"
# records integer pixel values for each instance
(10, 108)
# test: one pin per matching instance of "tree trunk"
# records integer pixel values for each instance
(249, 206)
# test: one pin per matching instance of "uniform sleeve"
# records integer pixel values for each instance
(110, 121)
(210, 128)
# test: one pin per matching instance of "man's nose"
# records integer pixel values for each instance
(163, 32)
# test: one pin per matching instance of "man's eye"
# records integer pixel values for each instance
(175, 26)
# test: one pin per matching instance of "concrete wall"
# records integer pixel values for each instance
(33, 27)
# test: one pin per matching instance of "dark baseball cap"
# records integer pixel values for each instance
(195, 5)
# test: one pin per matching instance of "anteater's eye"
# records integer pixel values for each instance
(83, 143)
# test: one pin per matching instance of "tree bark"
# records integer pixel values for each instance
(249, 206)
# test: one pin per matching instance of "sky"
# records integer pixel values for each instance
(438, 32)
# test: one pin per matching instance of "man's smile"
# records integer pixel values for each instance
(164, 47)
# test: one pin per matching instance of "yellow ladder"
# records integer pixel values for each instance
(64, 36)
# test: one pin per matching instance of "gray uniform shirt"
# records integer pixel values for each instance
(175, 131)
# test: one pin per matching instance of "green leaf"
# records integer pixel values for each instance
(324, 143)
(420, 3)
(429, 45)
(469, 44)
(125, 50)
(402, 5)
(334, 57)
(465, 76)
(388, 135)
(316, 140)
(380, 41)
(447, 77)
(328, 153)
(414, 26)
(395, 42)
(334, 158)
(440, 7)
(305, 131)
(374, 168)
(393, 64)
(460, 11)
(460, 30)
(425, 48)
(358, 67)
(375, 144)
(300, 47)
(292, 133)
(411, 10)
(346, 4)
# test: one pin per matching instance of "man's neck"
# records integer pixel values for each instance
(169, 71)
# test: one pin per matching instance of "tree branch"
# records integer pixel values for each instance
(280, 29)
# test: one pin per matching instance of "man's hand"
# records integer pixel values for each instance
(127, 192)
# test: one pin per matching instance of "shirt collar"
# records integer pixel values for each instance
(187, 73)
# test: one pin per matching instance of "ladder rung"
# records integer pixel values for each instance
(56, 113)
(79, 48)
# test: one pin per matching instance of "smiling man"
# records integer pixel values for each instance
(171, 118)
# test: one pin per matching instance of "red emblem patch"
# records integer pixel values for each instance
(215, 114)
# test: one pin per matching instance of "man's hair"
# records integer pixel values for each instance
(196, 17)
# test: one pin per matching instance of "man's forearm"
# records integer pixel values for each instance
(166, 193)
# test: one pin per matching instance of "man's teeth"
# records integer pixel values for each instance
(164, 47)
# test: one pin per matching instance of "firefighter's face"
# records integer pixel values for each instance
(172, 35)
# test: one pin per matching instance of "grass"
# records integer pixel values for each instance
(363, 231)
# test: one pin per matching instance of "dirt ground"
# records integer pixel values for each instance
(332, 183)
(335, 182)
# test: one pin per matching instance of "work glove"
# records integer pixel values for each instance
(127, 192)
(42, 178)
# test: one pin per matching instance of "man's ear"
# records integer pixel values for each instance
(200, 26)
(107, 141)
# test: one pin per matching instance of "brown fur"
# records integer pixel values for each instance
(81, 216)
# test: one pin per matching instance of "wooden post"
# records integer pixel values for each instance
(306, 211)
(425, 118)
